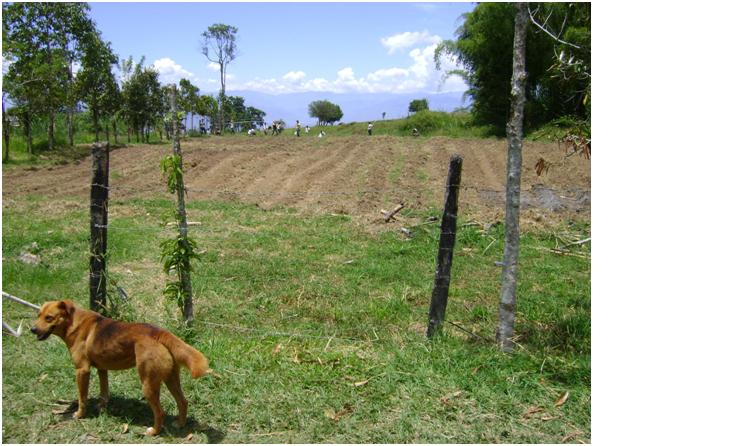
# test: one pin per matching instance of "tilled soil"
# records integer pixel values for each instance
(356, 175)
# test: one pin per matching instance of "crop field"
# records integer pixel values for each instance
(310, 307)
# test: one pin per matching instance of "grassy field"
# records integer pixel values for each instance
(314, 327)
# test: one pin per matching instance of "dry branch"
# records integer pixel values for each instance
(391, 214)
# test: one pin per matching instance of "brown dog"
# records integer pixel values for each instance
(96, 341)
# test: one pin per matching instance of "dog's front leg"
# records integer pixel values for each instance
(104, 390)
(83, 388)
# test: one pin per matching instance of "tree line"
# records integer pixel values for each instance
(60, 64)
(558, 61)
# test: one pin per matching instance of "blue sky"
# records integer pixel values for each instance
(291, 47)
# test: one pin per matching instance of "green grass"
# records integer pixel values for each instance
(62, 153)
(293, 312)
(429, 123)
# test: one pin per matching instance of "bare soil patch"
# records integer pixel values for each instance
(355, 175)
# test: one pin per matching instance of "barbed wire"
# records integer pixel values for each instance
(319, 192)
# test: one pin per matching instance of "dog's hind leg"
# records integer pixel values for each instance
(174, 386)
(104, 389)
(152, 393)
(154, 363)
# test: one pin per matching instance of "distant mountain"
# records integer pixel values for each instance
(355, 106)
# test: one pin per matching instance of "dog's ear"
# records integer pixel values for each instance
(66, 306)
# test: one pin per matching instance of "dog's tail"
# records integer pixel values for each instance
(186, 355)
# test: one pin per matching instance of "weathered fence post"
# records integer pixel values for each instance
(98, 226)
(184, 273)
(446, 247)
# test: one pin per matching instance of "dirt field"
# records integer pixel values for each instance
(358, 176)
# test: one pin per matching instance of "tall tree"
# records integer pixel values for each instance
(143, 100)
(35, 49)
(220, 47)
(45, 39)
(97, 85)
(77, 28)
(21, 82)
(514, 130)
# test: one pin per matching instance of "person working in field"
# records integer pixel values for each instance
(298, 128)
(370, 129)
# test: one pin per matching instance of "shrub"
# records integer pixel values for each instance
(427, 121)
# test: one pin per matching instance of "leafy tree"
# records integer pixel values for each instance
(234, 108)
(325, 112)
(417, 105)
(35, 48)
(254, 115)
(43, 41)
(207, 107)
(188, 98)
(143, 99)
(97, 85)
(78, 29)
(219, 46)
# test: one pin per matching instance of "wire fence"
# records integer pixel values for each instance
(478, 188)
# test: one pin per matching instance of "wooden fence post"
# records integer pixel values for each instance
(185, 276)
(446, 247)
(98, 226)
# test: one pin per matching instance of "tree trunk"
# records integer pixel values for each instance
(70, 111)
(51, 119)
(29, 131)
(114, 129)
(96, 124)
(222, 97)
(507, 309)
(6, 134)
(107, 131)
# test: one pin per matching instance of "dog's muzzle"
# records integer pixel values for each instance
(42, 336)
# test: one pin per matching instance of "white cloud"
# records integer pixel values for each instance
(294, 76)
(419, 74)
(407, 40)
(387, 74)
(426, 7)
(213, 66)
(346, 74)
(170, 71)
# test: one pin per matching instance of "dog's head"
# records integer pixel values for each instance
(53, 318)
